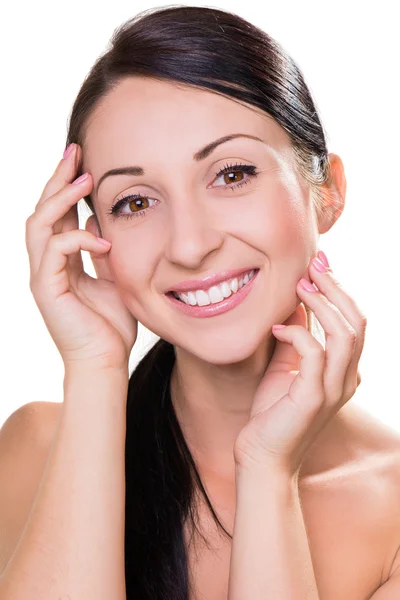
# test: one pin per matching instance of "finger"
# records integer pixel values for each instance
(340, 339)
(64, 173)
(285, 355)
(52, 277)
(307, 388)
(39, 226)
(68, 169)
(70, 221)
(331, 288)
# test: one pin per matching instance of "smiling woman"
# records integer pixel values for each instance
(225, 417)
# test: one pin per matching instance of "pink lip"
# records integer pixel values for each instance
(212, 310)
(208, 281)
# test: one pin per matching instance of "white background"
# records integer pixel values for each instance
(349, 55)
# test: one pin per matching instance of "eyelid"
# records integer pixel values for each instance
(250, 169)
(212, 167)
(245, 167)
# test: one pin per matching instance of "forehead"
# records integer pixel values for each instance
(145, 117)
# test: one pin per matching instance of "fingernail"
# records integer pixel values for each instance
(68, 150)
(103, 241)
(307, 285)
(81, 178)
(319, 265)
(278, 326)
(322, 256)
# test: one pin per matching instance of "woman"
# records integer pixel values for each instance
(208, 174)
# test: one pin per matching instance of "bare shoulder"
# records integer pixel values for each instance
(33, 421)
(25, 441)
(370, 486)
(351, 503)
(372, 456)
(384, 494)
(385, 470)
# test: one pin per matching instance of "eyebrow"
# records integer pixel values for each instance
(197, 156)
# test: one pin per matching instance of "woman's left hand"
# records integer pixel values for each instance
(304, 385)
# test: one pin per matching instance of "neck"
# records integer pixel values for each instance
(213, 402)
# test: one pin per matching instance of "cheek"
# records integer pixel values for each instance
(131, 263)
(278, 223)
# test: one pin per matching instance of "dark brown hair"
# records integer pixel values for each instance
(219, 51)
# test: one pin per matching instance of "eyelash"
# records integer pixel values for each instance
(115, 213)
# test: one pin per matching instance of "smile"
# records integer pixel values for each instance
(217, 299)
(215, 293)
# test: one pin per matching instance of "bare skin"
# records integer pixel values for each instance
(193, 227)
(349, 493)
(348, 488)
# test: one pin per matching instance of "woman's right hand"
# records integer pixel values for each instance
(86, 317)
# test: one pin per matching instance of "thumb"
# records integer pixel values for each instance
(285, 355)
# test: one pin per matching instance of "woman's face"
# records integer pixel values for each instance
(192, 223)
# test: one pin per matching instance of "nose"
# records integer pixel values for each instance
(191, 234)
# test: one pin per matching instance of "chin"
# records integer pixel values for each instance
(235, 345)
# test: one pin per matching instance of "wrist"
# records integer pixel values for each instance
(93, 368)
(274, 474)
(92, 385)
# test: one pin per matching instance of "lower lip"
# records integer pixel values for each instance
(212, 310)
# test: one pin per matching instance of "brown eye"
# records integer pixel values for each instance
(138, 204)
(231, 177)
(235, 175)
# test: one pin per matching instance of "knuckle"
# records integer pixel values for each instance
(56, 241)
(335, 280)
(349, 391)
(30, 221)
(317, 350)
(350, 338)
(348, 335)
(34, 287)
(353, 336)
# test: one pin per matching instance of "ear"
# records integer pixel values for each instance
(333, 193)
(100, 262)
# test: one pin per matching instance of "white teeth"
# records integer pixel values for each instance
(202, 298)
(225, 289)
(216, 293)
(234, 285)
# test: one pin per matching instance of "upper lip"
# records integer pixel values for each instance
(209, 280)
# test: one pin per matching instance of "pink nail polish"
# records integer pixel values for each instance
(307, 285)
(68, 151)
(103, 241)
(322, 256)
(81, 178)
(319, 265)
